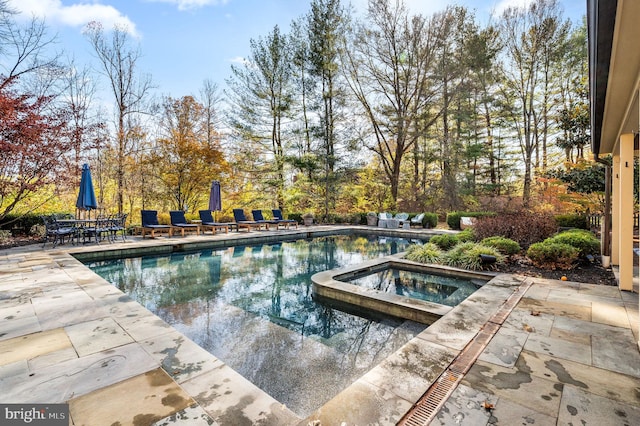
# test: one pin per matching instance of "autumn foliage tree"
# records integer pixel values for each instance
(33, 145)
(184, 160)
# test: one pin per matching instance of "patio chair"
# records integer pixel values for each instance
(117, 224)
(417, 220)
(402, 218)
(57, 232)
(209, 223)
(258, 217)
(98, 230)
(383, 218)
(277, 215)
(243, 222)
(179, 222)
(150, 224)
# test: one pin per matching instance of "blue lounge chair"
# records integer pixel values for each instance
(243, 222)
(150, 223)
(258, 217)
(277, 215)
(179, 222)
(209, 223)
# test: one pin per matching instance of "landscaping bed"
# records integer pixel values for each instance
(592, 273)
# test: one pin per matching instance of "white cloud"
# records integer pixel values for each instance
(506, 4)
(239, 60)
(75, 15)
(191, 4)
(423, 7)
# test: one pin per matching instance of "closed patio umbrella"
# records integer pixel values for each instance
(215, 198)
(86, 197)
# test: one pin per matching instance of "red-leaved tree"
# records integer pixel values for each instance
(33, 145)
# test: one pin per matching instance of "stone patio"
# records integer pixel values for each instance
(559, 353)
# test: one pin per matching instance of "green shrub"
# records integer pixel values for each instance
(553, 255)
(506, 246)
(295, 216)
(523, 227)
(444, 241)
(581, 239)
(425, 253)
(430, 220)
(363, 218)
(453, 218)
(466, 235)
(572, 221)
(467, 256)
(20, 224)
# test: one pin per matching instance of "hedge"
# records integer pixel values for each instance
(572, 221)
(453, 218)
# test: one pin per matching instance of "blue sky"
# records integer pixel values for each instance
(184, 42)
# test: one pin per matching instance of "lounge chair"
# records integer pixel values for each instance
(243, 222)
(277, 215)
(150, 224)
(258, 217)
(179, 222)
(417, 220)
(209, 223)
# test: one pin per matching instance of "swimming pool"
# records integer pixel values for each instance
(252, 307)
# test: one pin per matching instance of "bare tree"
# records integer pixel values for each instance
(79, 94)
(211, 99)
(528, 35)
(118, 62)
(389, 70)
(25, 51)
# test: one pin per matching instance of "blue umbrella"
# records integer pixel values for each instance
(215, 199)
(86, 196)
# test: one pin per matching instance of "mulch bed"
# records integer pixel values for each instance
(584, 272)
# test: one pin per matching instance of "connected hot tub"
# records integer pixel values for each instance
(398, 287)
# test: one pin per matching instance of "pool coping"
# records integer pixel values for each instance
(331, 285)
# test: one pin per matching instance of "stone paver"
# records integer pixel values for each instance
(33, 345)
(179, 356)
(517, 385)
(63, 381)
(142, 399)
(579, 407)
(96, 336)
(466, 406)
(505, 347)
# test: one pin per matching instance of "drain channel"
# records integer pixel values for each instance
(434, 398)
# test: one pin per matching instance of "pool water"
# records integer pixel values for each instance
(252, 307)
(425, 286)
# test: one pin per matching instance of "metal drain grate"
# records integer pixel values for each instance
(438, 393)
(503, 312)
(431, 401)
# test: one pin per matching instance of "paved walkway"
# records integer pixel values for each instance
(518, 351)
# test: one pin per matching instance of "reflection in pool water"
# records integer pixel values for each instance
(252, 308)
(440, 289)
